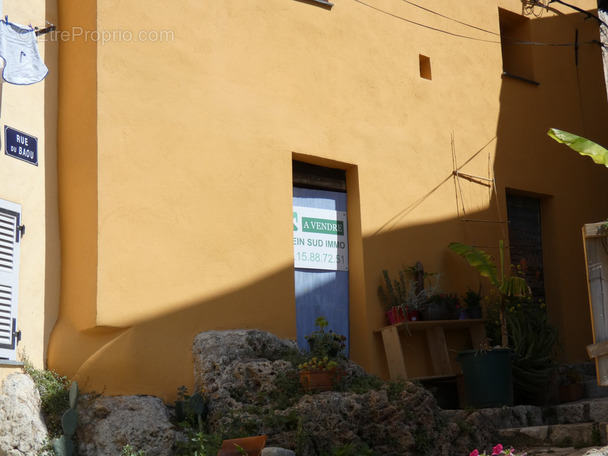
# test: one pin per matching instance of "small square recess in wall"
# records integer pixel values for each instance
(425, 67)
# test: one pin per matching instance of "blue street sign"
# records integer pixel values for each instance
(20, 145)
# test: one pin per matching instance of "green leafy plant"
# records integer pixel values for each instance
(583, 146)
(325, 343)
(472, 299)
(394, 293)
(507, 285)
(200, 444)
(318, 364)
(410, 291)
(54, 392)
(128, 450)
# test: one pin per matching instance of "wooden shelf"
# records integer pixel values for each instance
(424, 325)
(435, 338)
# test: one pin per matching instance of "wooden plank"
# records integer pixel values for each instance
(435, 337)
(440, 358)
(394, 353)
(602, 370)
(424, 325)
(598, 349)
(434, 377)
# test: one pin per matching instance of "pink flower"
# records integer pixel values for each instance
(497, 450)
(474, 453)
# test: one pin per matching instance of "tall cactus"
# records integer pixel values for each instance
(64, 445)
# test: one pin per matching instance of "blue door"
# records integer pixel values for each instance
(321, 292)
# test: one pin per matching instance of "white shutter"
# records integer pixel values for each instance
(10, 214)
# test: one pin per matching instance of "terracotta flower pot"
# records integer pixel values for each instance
(318, 380)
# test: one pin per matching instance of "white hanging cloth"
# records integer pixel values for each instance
(19, 50)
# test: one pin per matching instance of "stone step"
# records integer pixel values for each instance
(578, 435)
(566, 451)
(587, 410)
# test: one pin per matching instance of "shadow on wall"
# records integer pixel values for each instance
(154, 356)
(570, 94)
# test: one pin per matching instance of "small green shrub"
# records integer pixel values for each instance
(199, 444)
(353, 449)
(394, 389)
(362, 385)
(288, 390)
(54, 395)
(129, 451)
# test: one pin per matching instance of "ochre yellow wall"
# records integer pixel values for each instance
(177, 130)
(573, 98)
(32, 110)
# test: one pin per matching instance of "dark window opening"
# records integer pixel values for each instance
(515, 33)
(525, 243)
(318, 177)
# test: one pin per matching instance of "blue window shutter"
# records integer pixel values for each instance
(10, 230)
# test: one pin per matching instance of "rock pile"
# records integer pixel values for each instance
(251, 386)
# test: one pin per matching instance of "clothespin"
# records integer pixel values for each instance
(6, 18)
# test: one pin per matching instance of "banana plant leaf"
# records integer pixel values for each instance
(482, 262)
(514, 286)
(479, 260)
(583, 146)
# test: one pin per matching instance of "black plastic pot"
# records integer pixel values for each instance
(488, 378)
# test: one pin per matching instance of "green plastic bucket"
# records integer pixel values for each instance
(488, 378)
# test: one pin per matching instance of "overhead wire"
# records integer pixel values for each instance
(424, 25)
(450, 18)
(512, 40)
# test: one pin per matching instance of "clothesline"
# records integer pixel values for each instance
(37, 30)
(43, 31)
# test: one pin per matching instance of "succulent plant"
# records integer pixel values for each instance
(64, 446)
